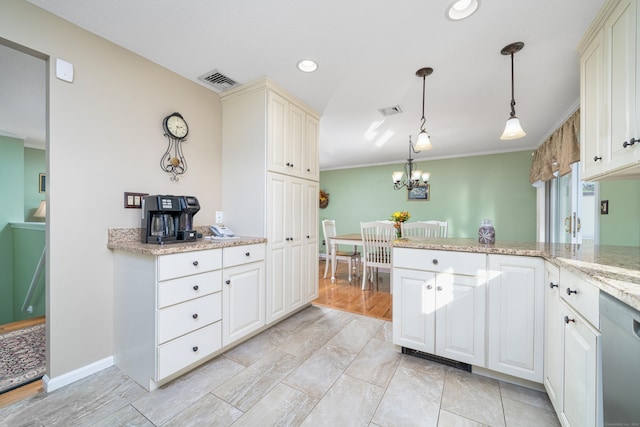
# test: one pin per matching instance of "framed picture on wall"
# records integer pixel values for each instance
(418, 193)
(42, 182)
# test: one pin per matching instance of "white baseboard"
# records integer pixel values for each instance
(51, 384)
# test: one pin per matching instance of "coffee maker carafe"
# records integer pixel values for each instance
(160, 219)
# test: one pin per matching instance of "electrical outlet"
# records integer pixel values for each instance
(218, 217)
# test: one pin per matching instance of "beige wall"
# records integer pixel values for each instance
(105, 137)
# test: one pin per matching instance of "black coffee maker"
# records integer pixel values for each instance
(168, 219)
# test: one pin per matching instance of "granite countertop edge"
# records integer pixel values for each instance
(613, 269)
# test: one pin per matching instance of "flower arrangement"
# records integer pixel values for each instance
(398, 217)
(324, 199)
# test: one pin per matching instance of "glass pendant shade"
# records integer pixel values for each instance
(426, 176)
(397, 176)
(512, 129)
(424, 141)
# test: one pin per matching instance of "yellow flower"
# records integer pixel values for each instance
(400, 216)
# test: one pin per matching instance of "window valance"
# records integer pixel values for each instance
(558, 152)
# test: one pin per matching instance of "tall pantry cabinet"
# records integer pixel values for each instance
(270, 186)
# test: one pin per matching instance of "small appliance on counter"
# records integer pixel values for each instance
(168, 219)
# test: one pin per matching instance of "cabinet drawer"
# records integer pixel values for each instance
(186, 317)
(175, 291)
(237, 255)
(465, 263)
(188, 349)
(581, 295)
(186, 263)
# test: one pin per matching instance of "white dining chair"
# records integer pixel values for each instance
(376, 247)
(420, 229)
(444, 226)
(352, 257)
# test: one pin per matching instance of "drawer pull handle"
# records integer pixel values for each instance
(630, 143)
(196, 287)
(429, 287)
(195, 348)
(195, 263)
(195, 315)
(248, 254)
(567, 320)
(228, 282)
(551, 285)
(596, 158)
(435, 261)
(439, 288)
(569, 291)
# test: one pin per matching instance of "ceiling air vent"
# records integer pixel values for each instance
(390, 111)
(217, 80)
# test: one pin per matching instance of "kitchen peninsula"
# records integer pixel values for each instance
(523, 312)
(178, 305)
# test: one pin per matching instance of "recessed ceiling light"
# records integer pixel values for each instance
(307, 66)
(461, 9)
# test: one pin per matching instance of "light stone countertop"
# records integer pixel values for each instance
(128, 240)
(613, 269)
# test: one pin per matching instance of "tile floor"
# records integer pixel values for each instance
(320, 367)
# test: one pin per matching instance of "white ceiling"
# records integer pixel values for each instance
(368, 53)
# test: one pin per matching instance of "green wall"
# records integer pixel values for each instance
(622, 225)
(463, 192)
(11, 210)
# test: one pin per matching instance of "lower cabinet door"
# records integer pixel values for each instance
(413, 309)
(243, 301)
(460, 314)
(188, 349)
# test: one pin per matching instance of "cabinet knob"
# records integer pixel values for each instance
(308, 237)
(195, 348)
(429, 287)
(439, 288)
(195, 315)
(596, 158)
(551, 285)
(308, 170)
(195, 263)
(630, 143)
(228, 282)
(435, 261)
(567, 320)
(196, 287)
(569, 291)
(288, 164)
(247, 254)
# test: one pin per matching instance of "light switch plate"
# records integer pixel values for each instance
(604, 207)
(133, 200)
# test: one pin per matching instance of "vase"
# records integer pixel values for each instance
(398, 230)
(486, 232)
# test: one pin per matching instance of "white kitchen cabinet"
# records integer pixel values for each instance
(516, 316)
(553, 336)
(243, 292)
(610, 93)
(167, 313)
(269, 158)
(438, 312)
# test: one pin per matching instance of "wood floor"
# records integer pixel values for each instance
(30, 389)
(375, 301)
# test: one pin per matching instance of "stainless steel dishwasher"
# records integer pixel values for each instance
(620, 328)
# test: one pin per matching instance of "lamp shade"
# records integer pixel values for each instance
(424, 141)
(512, 129)
(41, 212)
(397, 176)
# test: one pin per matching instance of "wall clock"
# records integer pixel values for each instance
(176, 130)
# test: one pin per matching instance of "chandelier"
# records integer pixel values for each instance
(411, 177)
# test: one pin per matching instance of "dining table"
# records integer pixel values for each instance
(354, 239)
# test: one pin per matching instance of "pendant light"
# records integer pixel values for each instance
(512, 129)
(424, 140)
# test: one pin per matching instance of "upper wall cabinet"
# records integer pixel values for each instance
(610, 94)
